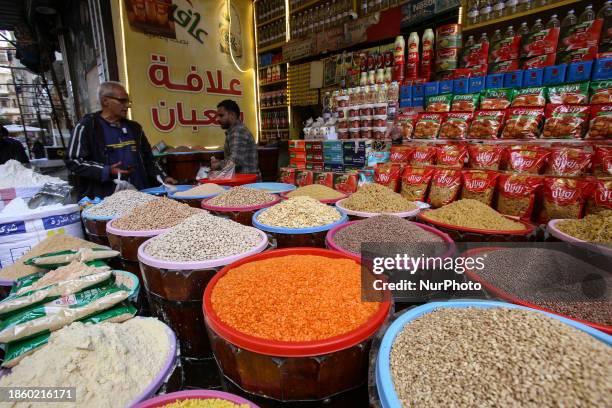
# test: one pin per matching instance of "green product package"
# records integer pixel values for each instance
(16, 301)
(601, 92)
(54, 260)
(569, 94)
(17, 350)
(438, 103)
(533, 97)
(465, 102)
(496, 99)
(53, 315)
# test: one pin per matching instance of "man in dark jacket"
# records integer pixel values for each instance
(105, 145)
(11, 148)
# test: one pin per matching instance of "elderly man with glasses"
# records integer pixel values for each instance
(106, 144)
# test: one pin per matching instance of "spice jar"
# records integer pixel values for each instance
(379, 133)
(354, 123)
(366, 133)
(380, 109)
(342, 124)
(354, 111)
(379, 120)
(354, 133)
(342, 113)
(365, 121)
(343, 101)
(366, 110)
(343, 133)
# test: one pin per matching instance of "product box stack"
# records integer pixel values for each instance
(356, 153)
(297, 154)
(314, 155)
(333, 158)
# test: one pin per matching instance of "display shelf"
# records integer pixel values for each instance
(274, 107)
(271, 47)
(305, 6)
(519, 15)
(262, 67)
(271, 20)
(280, 81)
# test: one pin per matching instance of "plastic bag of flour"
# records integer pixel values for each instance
(61, 258)
(62, 311)
(16, 351)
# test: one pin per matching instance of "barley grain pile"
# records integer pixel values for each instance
(499, 357)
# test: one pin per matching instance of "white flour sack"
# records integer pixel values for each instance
(19, 233)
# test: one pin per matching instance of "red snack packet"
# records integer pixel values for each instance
(445, 187)
(452, 155)
(540, 61)
(541, 42)
(565, 121)
(485, 157)
(522, 123)
(601, 92)
(401, 154)
(287, 175)
(423, 155)
(602, 161)
(304, 178)
(388, 175)
(516, 194)
(479, 185)
(346, 183)
(600, 126)
(601, 199)
(569, 94)
(504, 66)
(438, 103)
(567, 161)
(506, 49)
(564, 197)
(528, 159)
(455, 126)
(486, 124)
(428, 125)
(324, 179)
(415, 182)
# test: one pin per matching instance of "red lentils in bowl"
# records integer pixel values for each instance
(293, 298)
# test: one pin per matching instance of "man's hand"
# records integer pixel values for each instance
(116, 169)
(170, 180)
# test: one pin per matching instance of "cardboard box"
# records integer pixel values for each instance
(303, 178)
(555, 75)
(346, 183)
(314, 166)
(541, 43)
(324, 178)
(336, 168)
(298, 165)
(495, 81)
(431, 89)
(297, 144)
(297, 155)
(477, 84)
(314, 146)
(533, 77)
(579, 71)
(332, 146)
(314, 156)
(513, 79)
(287, 175)
(446, 86)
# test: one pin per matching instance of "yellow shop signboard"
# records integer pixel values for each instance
(179, 59)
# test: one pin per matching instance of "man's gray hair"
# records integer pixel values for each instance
(106, 88)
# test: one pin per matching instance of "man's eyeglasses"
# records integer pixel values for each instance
(125, 101)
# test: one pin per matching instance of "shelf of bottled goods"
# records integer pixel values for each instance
(518, 15)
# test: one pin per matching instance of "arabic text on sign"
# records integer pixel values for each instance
(158, 73)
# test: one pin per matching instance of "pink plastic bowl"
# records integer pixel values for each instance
(193, 394)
